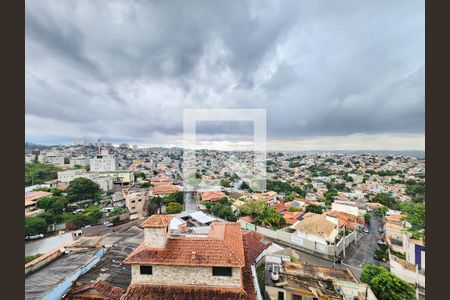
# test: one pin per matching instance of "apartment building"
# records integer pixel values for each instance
(104, 163)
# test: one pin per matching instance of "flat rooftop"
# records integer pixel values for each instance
(47, 278)
(110, 267)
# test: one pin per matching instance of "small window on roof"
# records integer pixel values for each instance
(222, 271)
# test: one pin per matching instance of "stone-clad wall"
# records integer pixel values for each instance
(185, 275)
(156, 237)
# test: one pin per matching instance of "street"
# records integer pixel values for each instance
(362, 252)
(190, 202)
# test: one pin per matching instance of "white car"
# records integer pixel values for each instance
(366, 230)
(35, 237)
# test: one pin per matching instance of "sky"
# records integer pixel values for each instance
(332, 75)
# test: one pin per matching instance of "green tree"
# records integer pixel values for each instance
(386, 285)
(317, 209)
(386, 200)
(35, 225)
(263, 214)
(174, 197)
(244, 186)
(38, 173)
(367, 217)
(222, 209)
(174, 208)
(83, 188)
(294, 209)
(381, 211)
(66, 160)
(415, 215)
(145, 185)
(225, 182)
(53, 204)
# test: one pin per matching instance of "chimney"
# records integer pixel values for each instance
(156, 231)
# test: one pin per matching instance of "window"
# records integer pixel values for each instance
(296, 297)
(280, 295)
(146, 270)
(222, 271)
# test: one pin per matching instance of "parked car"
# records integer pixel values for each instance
(34, 237)
(366, 230)
(380, 230)
(381, 242)
(108, 224)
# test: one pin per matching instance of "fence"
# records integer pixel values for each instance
(303, 243)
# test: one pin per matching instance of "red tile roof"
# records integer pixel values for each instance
(212, 196)
(247, 219)
(223, 247)
(280, 207)
(103, 291)
(254, 244)
(157, 221)
(160, 292)
(292, 217)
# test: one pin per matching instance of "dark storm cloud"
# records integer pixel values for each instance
(126, 70)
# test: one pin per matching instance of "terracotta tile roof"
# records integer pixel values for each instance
(159, 292)
(292, 217)
(280, 207)
(165, 189)
(103, 291)
(317, 224)
(212, 196)
(223, 247)
(247, 219)
(157, 221)
(346, 217)
(36, 195)
(252, 247)
(254, 244)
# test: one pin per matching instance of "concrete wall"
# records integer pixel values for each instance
(185, 275)
(345, 208)
(306, 242)
(65, 285)
(407, 275)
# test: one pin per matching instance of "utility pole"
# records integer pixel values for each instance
(344, 243)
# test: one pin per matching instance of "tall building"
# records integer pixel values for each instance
(80, 143)
(104, 163)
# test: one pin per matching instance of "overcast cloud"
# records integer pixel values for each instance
(348, 74)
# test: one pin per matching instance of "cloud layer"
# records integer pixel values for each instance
(124, 71)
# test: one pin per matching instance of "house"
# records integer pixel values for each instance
(135, 200)
(393, 229)
(280, 208)
(217, 266)
(213, 196)
(31, 199)
(408, 261)
(164, 189)
(104, 163)
(350, 221)
(292, 217)
(350, 207)
(318, 229)
(295, 281)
